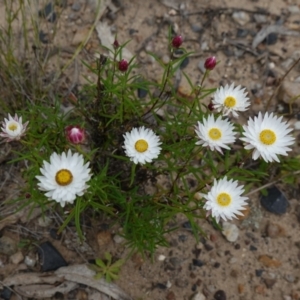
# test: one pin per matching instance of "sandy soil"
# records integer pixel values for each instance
(263, 263)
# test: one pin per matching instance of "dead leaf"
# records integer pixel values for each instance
(83, 275)
(107, 39)
(265, 31)
(42, 291)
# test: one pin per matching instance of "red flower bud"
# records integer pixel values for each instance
(210, 63)
(75, 134)
(116, 44)
(210, 106)
(123, 65)
(177, 41)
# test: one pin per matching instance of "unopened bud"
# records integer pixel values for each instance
(177, 41)
(75, 134)
(210, 63)
(123, 65)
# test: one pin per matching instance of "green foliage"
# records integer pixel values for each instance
(106, 268)
(143, 199)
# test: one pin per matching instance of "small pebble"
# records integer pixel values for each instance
(118, 239)
(230, 231)
(161, 257)
(198, 263)
(241, 17)
(220, 295)
(259, 272)
(171, 296)
(269, 282)
(290, 278)
(29, 261)
(274, 202)
(208, 247)
(16, 258)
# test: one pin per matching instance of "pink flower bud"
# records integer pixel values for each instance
(210, 63)
(177, 41)
(75, 134)
(210, 106)
(123, 65)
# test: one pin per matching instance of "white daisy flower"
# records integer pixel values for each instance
(13, 128)
(141, 145)
(268, 136)
(215, 134)
(230, 99)
(64, 177)
(224, 200)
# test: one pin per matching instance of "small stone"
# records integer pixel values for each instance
(271, 38)
(234, 273)
(293, 9)
(269, 262)
(76, 6)
(241, 17)
(232, 260)
(259, 18)
(7, 245)
(16, 258)
(171, 296)
(184, 63)
(6, 293)
(290, 278)
(198, 263)
(289, 90)
(230, 231)
(208, 247)
(198, 296)
(259, 272)
(274, 202)
(48, 9)
(44, 221)
(118, 239)
(241, 288)
(252, 248)
(29, 261)
(269, 282)
(287, 297)
(220, 295)
(260, 289)
(160, 286)
(196, 28)
(241, 33)
(50, 258)
(161, 257)
(103, 238)
(217, 265)
(274, 230)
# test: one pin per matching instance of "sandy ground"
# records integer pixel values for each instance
(263, 262)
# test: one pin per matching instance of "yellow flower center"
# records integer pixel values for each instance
(224, 199)
(12, 126)
(63, 177)
(230, 101)
(267, 137)
(215, 133)
(141, 146)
